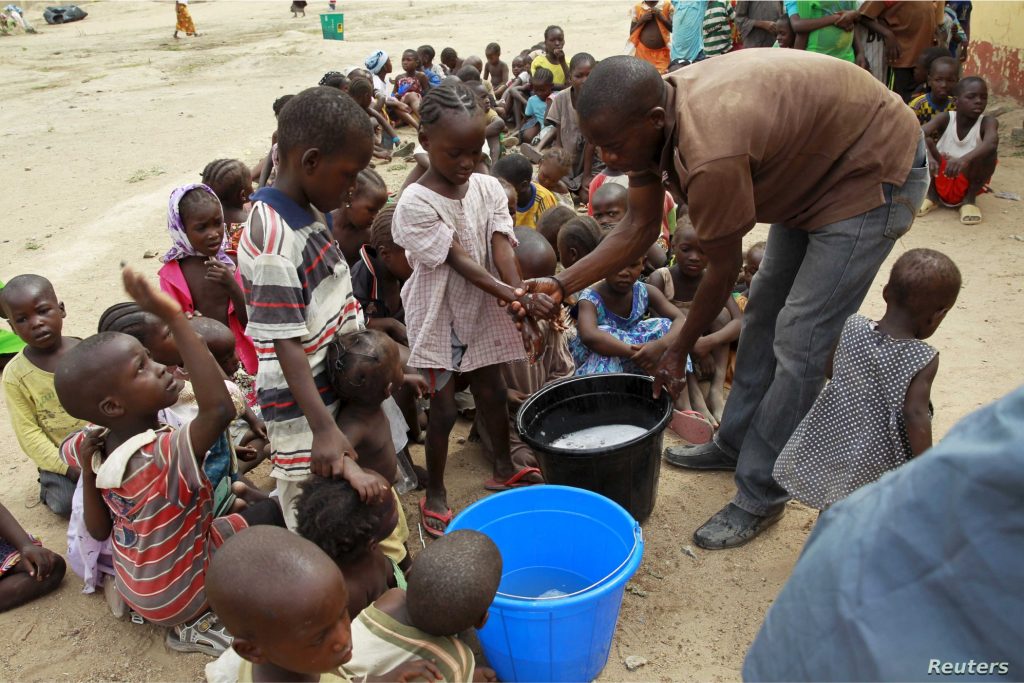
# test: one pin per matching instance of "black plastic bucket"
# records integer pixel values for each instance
(626, 472)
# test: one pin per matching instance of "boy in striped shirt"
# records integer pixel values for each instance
(142, 483)
(299, 293)
(718, 18)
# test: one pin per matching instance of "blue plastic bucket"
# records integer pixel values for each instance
(555, 537)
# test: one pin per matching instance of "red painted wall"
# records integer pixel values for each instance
(1001, 66)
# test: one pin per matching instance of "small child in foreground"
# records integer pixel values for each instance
(874, 414)
(27, 570)
(40, 422)
(351, 532)
(457, 234)
(532, 199)
(143, 485)
(197, 270)
(455, 581)
(297, 629)
(351, 222)
(964, 157)
(231, 181)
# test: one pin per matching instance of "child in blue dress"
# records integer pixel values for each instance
(612, 324)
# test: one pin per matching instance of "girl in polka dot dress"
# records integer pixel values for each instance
(874, 414)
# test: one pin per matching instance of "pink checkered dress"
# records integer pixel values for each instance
(438, 300)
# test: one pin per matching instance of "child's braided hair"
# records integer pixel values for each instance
(226, 177)
(448, 97)
(126, 318)
(380, 229)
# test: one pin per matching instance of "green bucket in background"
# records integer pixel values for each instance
(333, 25)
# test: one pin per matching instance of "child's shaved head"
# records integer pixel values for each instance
(298, 619)
(88, 374)
(322, 118)
(551, 222)
(454, 584)
(608, 204)
(535, 254)
(23, 286)
(923, 281)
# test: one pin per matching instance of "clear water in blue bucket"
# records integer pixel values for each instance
(543, 582)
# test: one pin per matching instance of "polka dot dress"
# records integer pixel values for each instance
(855, 431)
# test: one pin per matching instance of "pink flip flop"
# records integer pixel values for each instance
(513, 482)
(691, 426)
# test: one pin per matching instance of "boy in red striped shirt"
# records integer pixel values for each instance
(143, 485)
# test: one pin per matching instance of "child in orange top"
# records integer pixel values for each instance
(650, 32)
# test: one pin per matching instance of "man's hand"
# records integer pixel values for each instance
(148, 297)
(547, 286)
(670, 373)
(327, 457)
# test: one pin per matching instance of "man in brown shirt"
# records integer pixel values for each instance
(911, 26)
(813, 145)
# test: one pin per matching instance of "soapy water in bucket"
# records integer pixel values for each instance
(602, 436)
(543, 582)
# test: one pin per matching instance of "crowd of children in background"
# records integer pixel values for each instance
(326, 320)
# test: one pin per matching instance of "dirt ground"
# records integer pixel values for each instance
(102, 118)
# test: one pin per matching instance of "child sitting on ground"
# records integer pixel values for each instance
(231, 181)
(426, 55)
(495, 125)
(450, 592)
(11, 344)
(942, 79)
(536, 259)
(751, 264)
(143, 486)
(578, 237)
(197, 271)
(27, 570)
(608, 204)
(377, 279)
(923, 67)
(300, 292)
(454, 227)
(874, 414)
(450, 61)
(335, 79)
(520, 76)
(964, 158)
(365, 370)
(332, 515)
(517, 92)
(542, 84)
(532, 200)
(551, 222)
(40, 422)
(351, 222)
(361, 90)
(555, 164)
(613, 327)
(495, 70)
(617, 200)
(510, 195)
(710, 353)
(411, 85)
(297, 629)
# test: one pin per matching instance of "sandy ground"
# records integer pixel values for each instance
(102, 118)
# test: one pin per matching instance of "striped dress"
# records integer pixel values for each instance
(164, 529)
(297, 286)
(718, 28)
(380, 643)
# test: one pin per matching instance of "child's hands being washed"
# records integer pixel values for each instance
(539, 306)
(148, 297)
(533, 340)
(647, 355)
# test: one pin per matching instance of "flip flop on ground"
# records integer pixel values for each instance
(513, 482)
(926, 208)
(970, 214)
(425, 514)
(691, 426)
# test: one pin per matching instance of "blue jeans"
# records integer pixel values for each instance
(808, 284)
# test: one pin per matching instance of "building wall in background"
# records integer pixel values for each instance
(996, 51)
